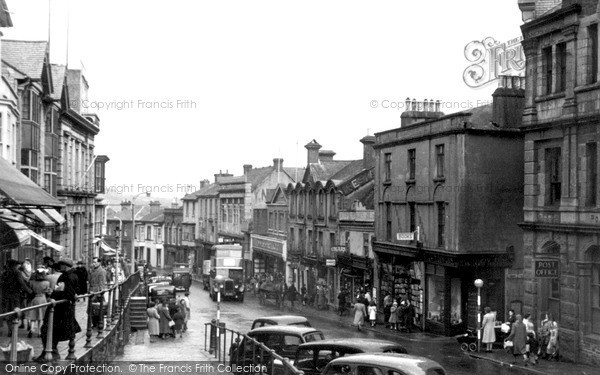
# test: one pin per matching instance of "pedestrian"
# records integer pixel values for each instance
(401, 312)
(82, 276)
(26, 271)
(153, 321)
(544, 336)
(97, 280)
(394, 316)
(13, 287)
(530, 328)
(303, 292)
(372, 313)
(552, 348)
(164, 319)
(487, 325)
(342, 302)
(41, 288)
(387, 305)
(178, 318)
(360, 312)
(409, 315)
(367, 296)
(518, 336)
(186, 308)
(65, 325)
(291, 293)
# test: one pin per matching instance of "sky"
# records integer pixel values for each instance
(187, 88)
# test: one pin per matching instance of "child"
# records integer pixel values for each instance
(372, 313)
(394, 316)
(179, 319)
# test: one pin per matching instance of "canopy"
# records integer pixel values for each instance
(14, 234)
(19, 190)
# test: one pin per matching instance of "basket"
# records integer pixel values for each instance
(23, 355)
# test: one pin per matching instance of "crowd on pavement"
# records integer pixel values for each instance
(168, 320)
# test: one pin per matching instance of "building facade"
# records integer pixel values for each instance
(561, 226)
(447, 205)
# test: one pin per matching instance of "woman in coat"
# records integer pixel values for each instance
(179, 319)
(40, 286)
(165, 318)
(394, 316)
(360, 312)
(487, 325)
(153, 322)
(518, 336)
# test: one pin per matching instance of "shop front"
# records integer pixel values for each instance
(356, 274)
(269, 256)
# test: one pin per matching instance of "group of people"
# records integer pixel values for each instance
(168, 321)
(523, 339)
(398, 314)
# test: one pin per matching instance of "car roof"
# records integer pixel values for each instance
(411, 363)
(284, 329)
(282, 319)
(365, 345)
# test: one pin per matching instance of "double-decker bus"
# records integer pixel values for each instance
(227, 270)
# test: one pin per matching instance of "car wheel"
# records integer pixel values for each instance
(473, 347)
(464, 347)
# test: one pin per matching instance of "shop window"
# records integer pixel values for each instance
(455, 301)
(436, 292)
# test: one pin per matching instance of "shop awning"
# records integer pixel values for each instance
(18, 190)
(45, 241)
(14, 233)
(107, 249)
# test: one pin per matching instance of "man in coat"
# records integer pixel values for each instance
(14, 287)
(65, 326)
(518, 336)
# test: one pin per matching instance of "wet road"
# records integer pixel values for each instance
(239, 316)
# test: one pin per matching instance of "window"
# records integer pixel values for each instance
(321, 205)
(311, 249)
(437, 292)
(301, 240)
(148, 232)
(388, 167)
(388, 218)
(301, 204)
(332, 206)
(332, 239)
(547, 66)
(366, 243)
(593, 53)
(561, 67)
(271, 221)
(591, 173)
(99, 179)
(439, 161)
(158, 234)
(595, 297)
(50, 175)
(412, 154)
(441, 206)
(320, 242)
(554, 175)
(293, 202)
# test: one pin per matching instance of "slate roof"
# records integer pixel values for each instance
(27, 56)
(350, 170)
(157, 217)
(58, 77)
(257, 175)
(295, 173)
(208, 191)
(125, 214)
(325, 170)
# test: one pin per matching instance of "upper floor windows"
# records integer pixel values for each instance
(593, 53)
(547, 66)
(554, 69)
(388, 167)
(591, 174)
(412, 157)
(553, 175)
(439, 161)
(561, 67)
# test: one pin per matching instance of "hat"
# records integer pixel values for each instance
(395, 303)
(66, 261)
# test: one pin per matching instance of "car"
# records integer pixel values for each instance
(281, 320)
(312, 357)
(283, 339)
(383, 363)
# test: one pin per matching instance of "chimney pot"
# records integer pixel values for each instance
(326, 155)
(278, 164)
(368, 151)
(247, 168)
(312, 148)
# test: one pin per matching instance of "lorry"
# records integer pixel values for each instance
(227, 272)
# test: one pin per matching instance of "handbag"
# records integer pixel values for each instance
(171, 323)
(508, 344)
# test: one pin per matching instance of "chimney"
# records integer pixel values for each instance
(278, 164)
(154, 206)
(175, 203)
(219, 175)
(204, 183)
(247, 168)
(125, 205)
(508, 102)
(313, 152)
(527, 8)
(368, 151)
(326, 155)
(420, 111)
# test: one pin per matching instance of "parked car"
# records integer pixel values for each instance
(312, 357)
(280, 320)
(283, 339)
(383, 363)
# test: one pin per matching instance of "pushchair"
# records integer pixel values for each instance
(468, 341)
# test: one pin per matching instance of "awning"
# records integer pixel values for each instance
(13, 234)
(107, 249)
(55, 215)
(48, 222)
(21, 191)
(45, 241)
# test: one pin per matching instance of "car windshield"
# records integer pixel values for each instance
(313, 336)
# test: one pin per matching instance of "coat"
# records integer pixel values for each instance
(153, 321)
(65, 326)
(394, 314)
(165, 318)
(359, 313)
(179, 319)
(518, 335)
(488, 323)
(13, 287)
(40, 288)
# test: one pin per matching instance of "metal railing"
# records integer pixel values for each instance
(217, 343)
(107, 318)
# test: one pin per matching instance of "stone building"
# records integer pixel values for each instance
(561, 223)
(448, 198)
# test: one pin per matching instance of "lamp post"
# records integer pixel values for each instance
(117, 265)
(219, 281)
(478, 285)
(133, 230)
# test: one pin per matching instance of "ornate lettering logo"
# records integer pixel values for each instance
(491, 59)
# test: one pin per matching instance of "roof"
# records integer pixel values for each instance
(300, 330)
(58, 78)
(257, 175)
(208, 191)
(282, 319)
(157, 216)
(411, 364)
(361, 345)
(20, 190)
(325, 170)
(350, 170)
(27, 56)
(295, 173)
(125, 213)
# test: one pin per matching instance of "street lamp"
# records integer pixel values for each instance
(133, 230)
(219, 280)
(478, 285)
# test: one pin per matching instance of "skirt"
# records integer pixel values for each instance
(37, 314)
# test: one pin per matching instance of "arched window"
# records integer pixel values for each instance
(301, 204)
(321, 204)
(332, 204)
(293, 202)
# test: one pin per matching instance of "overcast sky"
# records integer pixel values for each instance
(202, 86)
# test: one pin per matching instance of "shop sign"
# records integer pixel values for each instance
(546, 268)
(338, 249)
(330, 262)
(360, 180)
(271, 246)
(410, 236)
